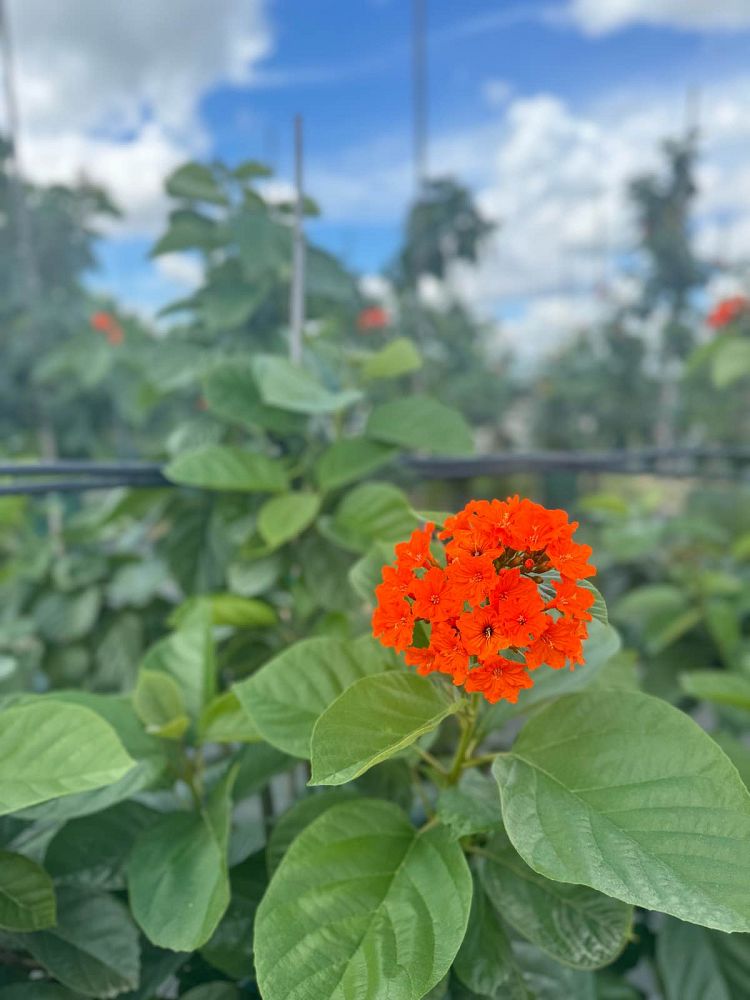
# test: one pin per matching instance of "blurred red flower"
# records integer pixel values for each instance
(104, 322)
(372, 318)
(726, 311)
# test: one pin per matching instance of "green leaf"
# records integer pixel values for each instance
(421, 424)
(197, 182)
(287, 695)
(284, 517)
(265, 245)
(94, 948)
(189, 230)
(622, 792)
(602, 644)
(64, 618)
(291, 823)
(27, 899)
(219, 990)
(572, 923)
(369, 513)
(367, 571)
(49, 749)
(177, 880)
(227, 609)
(148, 752)
(732, 363)
(718, 686)
(92, 851)
(371, 721)
(232, 394)
(325, 278)
(188, 656)
(290, 387)
(225, 721)
(364, 903)
(472, 806)
(399, 357)
(221, 467)
(349, 460)
(230, 948)
(688, 963)
(160, 706)
(226, 305)
(485, 962)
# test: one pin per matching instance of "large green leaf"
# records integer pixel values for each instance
(718, 686)
(66, 617)
(222, 467)
(602, 644)
(371, 721)
(94, 948)
(49, 749)
(351, 459)
(92, 851)
(371, 512)
(574, 924)
(232, 393)
(286, 696)
(732, 363)
(27, 899)
(289, 825)
(196, 182)
(422, 424)
(362, 904)
(367, 571)
(283, 517)
(688, 963)
(265, 245)
(290, 387)
(622, 792)
(230, 948)
(177, 876)
(189, 230)
(485, 962)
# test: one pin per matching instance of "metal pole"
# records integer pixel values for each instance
(17, 193)
(419, 90)
(297, 295)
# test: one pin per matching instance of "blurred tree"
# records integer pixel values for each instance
(37, 414)
(444, 227)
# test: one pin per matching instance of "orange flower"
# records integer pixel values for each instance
(393, 623)
(450, 651)
(481, 632)
(509, 583)
(560, 643)
(473, 577)
(415, 554)
(570, 559)
(372, 318)
(435, 599)
(499, 678)
(571, 600)
(726, 311)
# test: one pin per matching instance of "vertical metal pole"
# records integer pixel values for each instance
(419, 90)
(297, 295)
(18, 197)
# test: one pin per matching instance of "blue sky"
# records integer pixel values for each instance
(517, 93)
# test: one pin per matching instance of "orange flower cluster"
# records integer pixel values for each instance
(502, 601)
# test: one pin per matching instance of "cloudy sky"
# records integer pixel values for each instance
(545, 107)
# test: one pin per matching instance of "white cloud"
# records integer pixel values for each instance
(181, 269)
(111, 89)
(597, 17)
